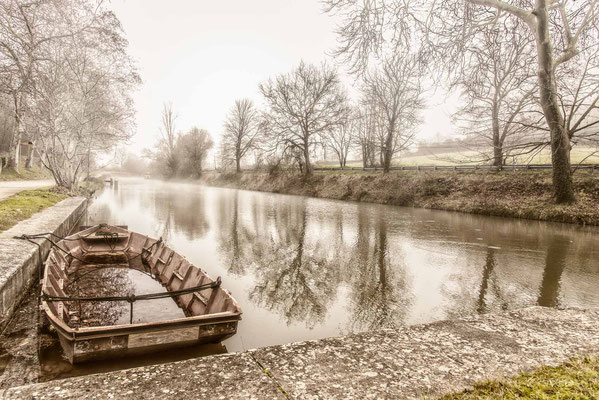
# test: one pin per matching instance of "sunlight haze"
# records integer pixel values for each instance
(202, 55)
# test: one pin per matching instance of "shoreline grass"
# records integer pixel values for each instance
(576, 379)
(23, 205)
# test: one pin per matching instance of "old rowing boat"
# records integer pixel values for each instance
(87, 294)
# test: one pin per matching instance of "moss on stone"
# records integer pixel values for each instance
(26, 203)
(578, 379)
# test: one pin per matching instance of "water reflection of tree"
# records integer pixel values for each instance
(104, 281)
(293, 278)
(555, 263)
(473, 292)
(181, 212)
(380, 293)
(235, 239)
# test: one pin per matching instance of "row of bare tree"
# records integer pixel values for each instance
(308, 110)
(526, 67)
(528, 73)
(65, 82)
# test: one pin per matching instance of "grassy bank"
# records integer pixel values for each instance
(26, 203)
(522, 194)
(9, 174)
(578, 379)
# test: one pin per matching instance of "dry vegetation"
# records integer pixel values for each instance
(522, 194)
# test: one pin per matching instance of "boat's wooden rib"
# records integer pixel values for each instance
(211, 315)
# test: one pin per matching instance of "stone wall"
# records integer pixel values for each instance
(20, 259)
(422, 361)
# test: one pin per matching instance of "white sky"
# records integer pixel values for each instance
(204, 54)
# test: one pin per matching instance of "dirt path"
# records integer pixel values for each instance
(11, 187)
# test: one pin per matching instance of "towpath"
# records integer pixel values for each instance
(413, 362)
(9, 188)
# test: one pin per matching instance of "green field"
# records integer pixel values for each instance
(588, 154)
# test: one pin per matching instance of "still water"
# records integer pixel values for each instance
(304, 268)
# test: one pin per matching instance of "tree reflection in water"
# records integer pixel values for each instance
(489, 277)
(181, 213)
(235, 239)
(555, 263)
(380, 293)
(100, 281)
(293, 279)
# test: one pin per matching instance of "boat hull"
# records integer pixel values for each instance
(211, 313)
(82, 349)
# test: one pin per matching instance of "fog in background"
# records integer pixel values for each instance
(202, 55)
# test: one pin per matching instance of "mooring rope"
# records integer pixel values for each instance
(131, 298)
(134, 298)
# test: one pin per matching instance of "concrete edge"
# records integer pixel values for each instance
(20, 259)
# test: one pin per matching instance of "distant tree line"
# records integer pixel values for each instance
(308, 110)
(65, 84)
(179, 154)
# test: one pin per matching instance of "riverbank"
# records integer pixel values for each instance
(412, 362)
(520, 194)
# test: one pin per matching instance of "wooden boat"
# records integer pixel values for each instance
(209, 313)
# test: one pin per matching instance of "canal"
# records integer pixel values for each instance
(305, 268)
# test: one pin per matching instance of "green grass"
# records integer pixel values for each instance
(24, 204)
(9, 174)
(577, 155)
(578, 379)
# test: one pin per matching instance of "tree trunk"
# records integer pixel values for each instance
(388, 150)
(15, 145)
(497, 146)
(560, 142)
(238, 156)
(308, 169)
(29, 160)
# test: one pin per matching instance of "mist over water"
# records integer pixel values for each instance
(304, 268)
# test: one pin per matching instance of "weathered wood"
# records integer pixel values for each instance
(212, 316)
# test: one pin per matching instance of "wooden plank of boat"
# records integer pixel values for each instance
(209, 312)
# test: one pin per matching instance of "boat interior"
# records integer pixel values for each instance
(95, 250)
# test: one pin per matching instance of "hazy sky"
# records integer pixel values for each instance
(204, 54)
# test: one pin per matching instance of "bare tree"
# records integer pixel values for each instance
(365, 139)
(304, 105)
(578, 85)
(29, 31)
(561, 31)
(80, 103)
(194, 147)
(241, 131)
(394, 92)
(498, 86)
(168, 139)
(341, 138)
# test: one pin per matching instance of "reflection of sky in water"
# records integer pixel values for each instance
(305, 268)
